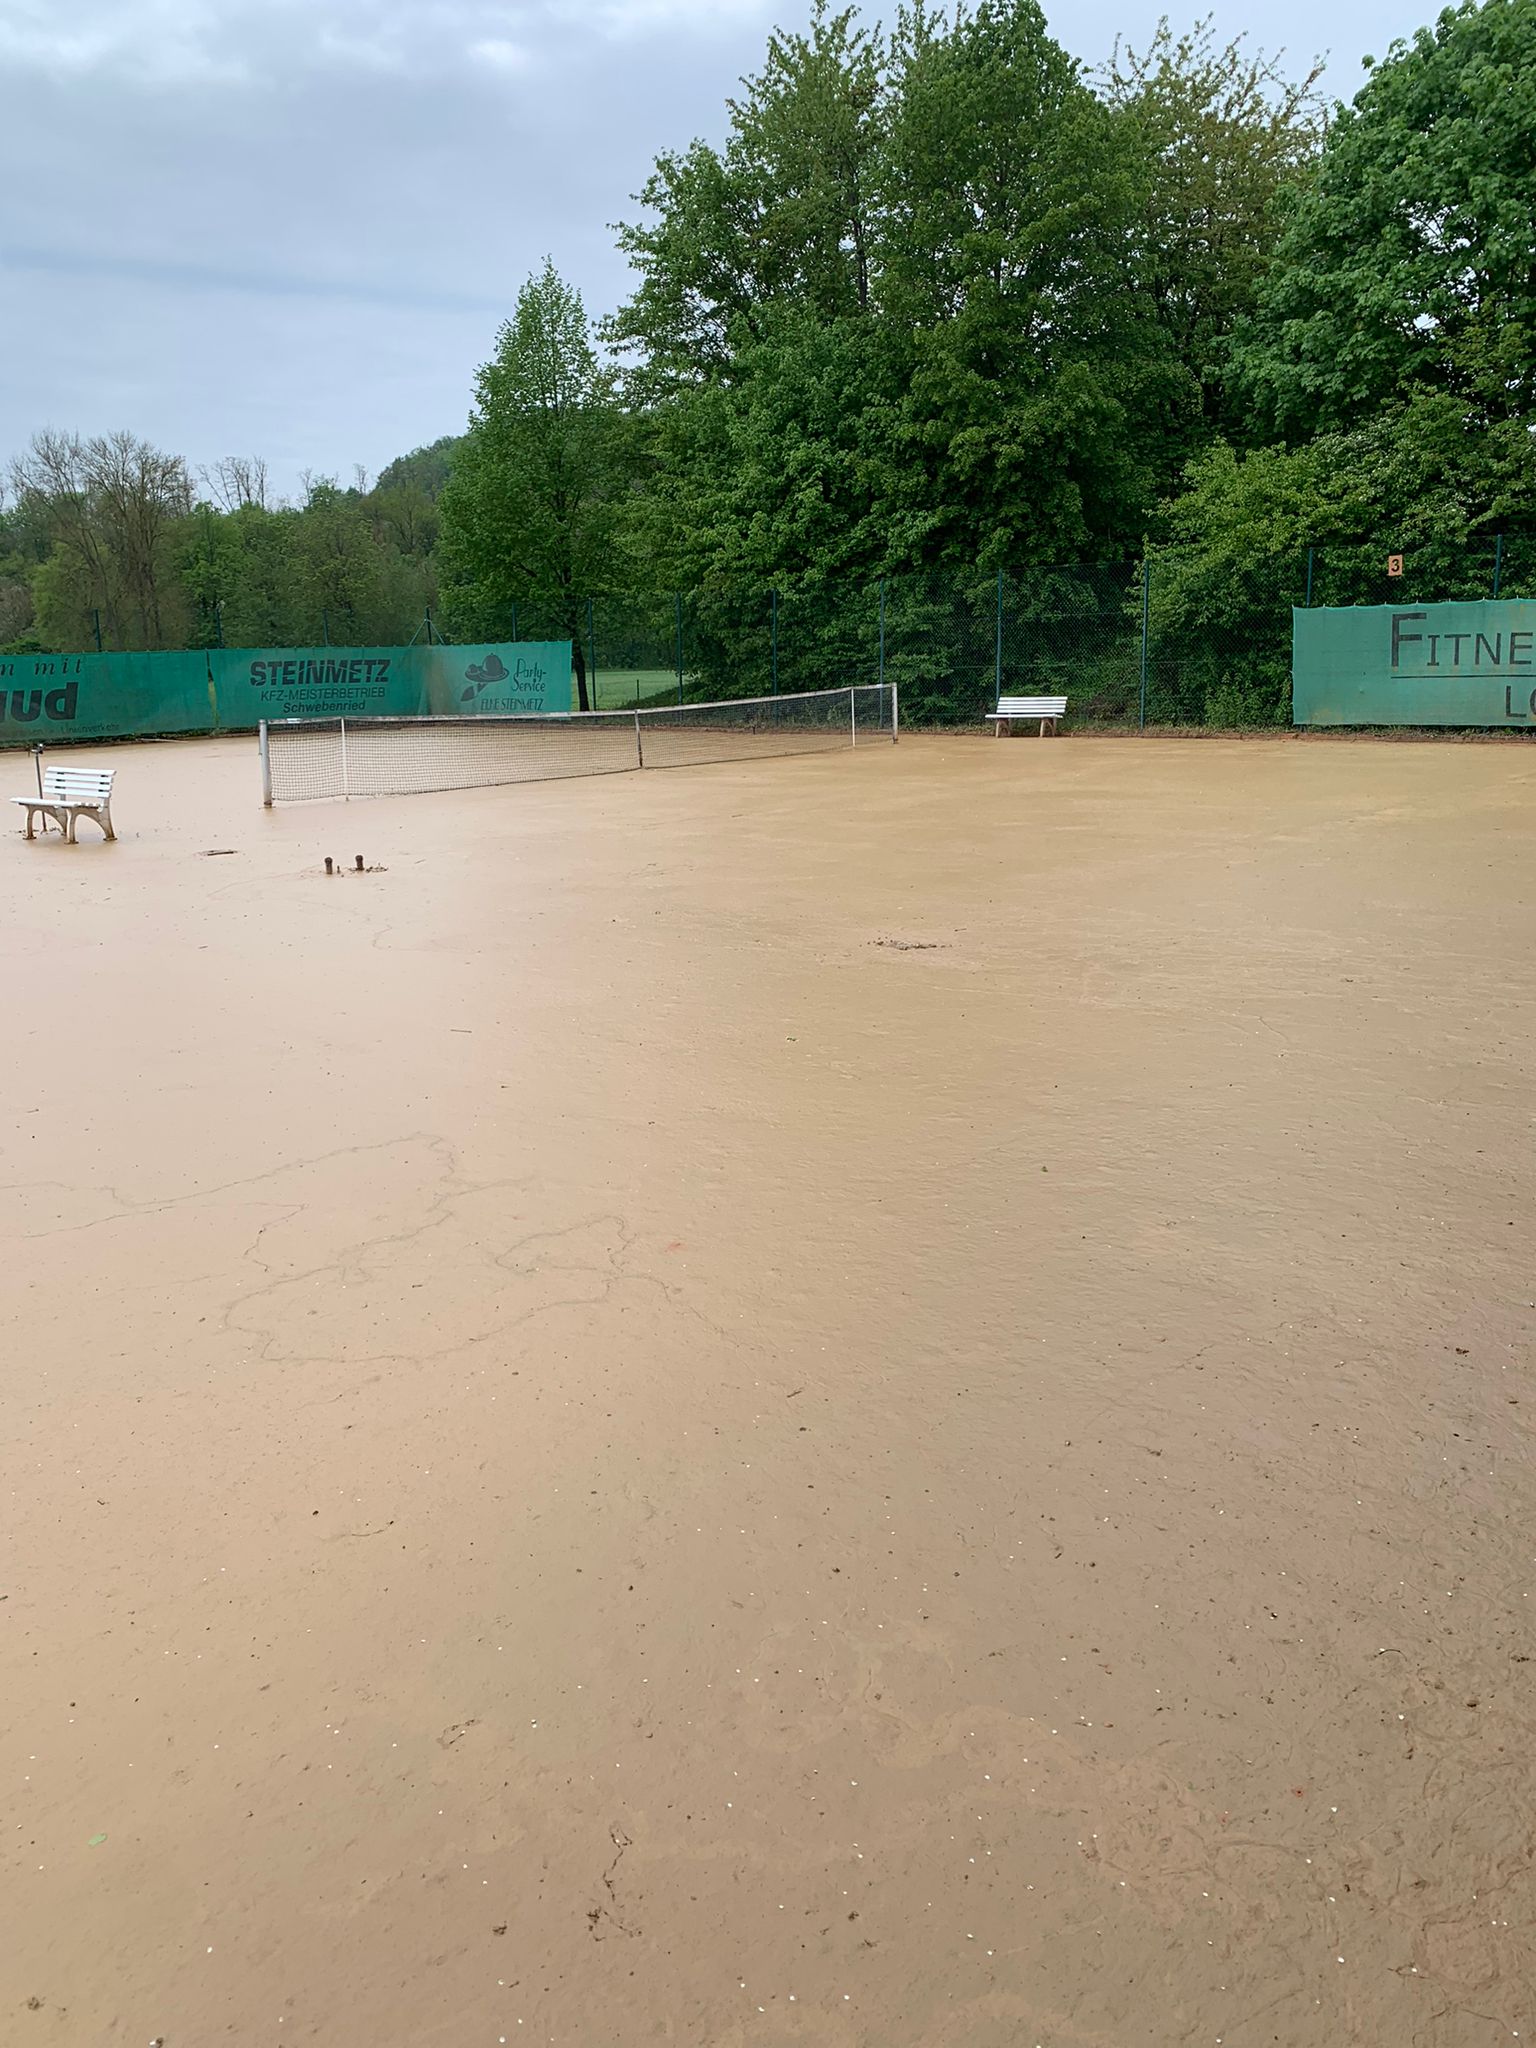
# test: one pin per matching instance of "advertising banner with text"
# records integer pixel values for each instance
(1432, 664)
(53, 699)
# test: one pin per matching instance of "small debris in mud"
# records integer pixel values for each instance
(911, 945)
(218, 852)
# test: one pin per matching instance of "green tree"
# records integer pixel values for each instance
(532, 511)
(1408, 261)
(783, 216)
(1409, 480)
(1043, 393)
(111, 507)
(1226, 136)
(340, 578)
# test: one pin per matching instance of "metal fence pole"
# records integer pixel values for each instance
(1498, 561)
(325, 624)
(1146, 609)
(678, 600)
(997, 652)
(514, 622)
(882, 661)
(592, 657)
(1311, 552)
(96, 622)
(774, 642)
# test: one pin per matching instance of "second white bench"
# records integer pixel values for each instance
(1046, 709)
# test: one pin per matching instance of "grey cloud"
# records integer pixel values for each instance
(290, 227)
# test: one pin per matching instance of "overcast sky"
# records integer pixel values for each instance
(290, 227)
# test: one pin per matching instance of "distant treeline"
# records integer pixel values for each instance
(944, 302)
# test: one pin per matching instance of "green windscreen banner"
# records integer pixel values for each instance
(1431, 664)
(52, 699)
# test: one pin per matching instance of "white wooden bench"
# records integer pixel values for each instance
(1046, 709)
(70, 794)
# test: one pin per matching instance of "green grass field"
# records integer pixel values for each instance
(620, 689)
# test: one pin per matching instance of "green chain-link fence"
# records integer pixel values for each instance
(1177, 638)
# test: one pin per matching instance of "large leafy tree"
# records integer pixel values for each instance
(782, 217)
(1227, 136)
(912, 275)
(1041, 387)
(110, 505)
(1408, 264)
(531, 510)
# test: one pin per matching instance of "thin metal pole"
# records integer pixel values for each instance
(429, 625)
(218, 623)
(1146, 608)
(325, 623)
(346, 780)
(1311, 552)
(96, 621)
(639, 743)
(678, 599)
(853, 718)
(1498, 561)
(997, 661)
(895, 686)
(266, 766)
(514, 622)
(37, 763)
(775, 642)
(592, 657)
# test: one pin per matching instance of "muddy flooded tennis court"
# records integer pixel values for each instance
(878, 1399)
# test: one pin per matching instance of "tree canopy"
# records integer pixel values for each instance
(941, 303)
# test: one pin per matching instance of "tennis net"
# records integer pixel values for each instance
(304, 759)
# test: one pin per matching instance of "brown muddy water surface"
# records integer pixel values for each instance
(872, 1400)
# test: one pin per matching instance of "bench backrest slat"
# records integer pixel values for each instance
(78, 785)
(1031, 707)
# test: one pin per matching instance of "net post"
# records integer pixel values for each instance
(639, 744)
(346, 783)
(266, 766)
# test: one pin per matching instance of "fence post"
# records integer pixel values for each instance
(592, 655)
(96, 622)
(325, 623)
(431, 629)
(1498, 561)
(1146, 608)
(514, 622)
(894, 734)
(774, 642)
(997, 652)
(678, 600)
(1310, 553)
(218, 623)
